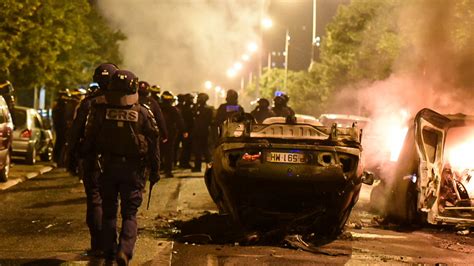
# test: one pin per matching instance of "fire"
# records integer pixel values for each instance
(397, 134)
(395, 142)
(460, 156)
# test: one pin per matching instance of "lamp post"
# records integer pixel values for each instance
(217, 89)
(287, 44)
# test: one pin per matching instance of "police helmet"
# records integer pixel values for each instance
(202, 98)
(155, 89)
(262, 102)
(143, 87)
(103, 73)
(123, 88)
(181, 98)
(232, 96)
(167, 97)
(6, 87)
(189, 98)
(78, 92)
(93, 87)
(279, 101)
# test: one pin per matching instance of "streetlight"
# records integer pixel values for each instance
(266, 23)
(287, 43)
(252, 47)
(208, 85)
(231, 72)
(217, 89)
(237, 66)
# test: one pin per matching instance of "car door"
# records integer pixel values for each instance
(430, 135)
(37, 128)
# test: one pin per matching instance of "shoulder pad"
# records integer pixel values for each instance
(146, 106)
(148, 110)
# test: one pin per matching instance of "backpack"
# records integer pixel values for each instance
(120, 133)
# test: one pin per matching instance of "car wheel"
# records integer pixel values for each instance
(47, 155)
(31, 157)
(5, 172)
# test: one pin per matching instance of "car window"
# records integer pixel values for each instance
(2, 116)
(20, 118)
(430, 138)
(37, 122)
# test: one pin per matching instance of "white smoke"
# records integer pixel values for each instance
(182, 43)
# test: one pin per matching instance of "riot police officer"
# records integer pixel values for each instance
(175, 126)
(202, 125)
(145, 98)
(60, 123)
(186, 109)
(123, 135)
(88, 170)
(231, 107)
(262, 111)
(280, 106)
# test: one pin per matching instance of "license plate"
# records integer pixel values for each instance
(285, 157)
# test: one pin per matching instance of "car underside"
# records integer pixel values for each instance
(277, 174)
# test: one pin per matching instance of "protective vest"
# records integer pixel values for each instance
(120, 133)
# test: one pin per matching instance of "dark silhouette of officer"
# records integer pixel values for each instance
(60, 123)
(229, 108)
(280, 106)
(262, 111)
(122, 135)
(175, 126)
(8, 93)
(203, 114)
(186, 110)
(145, 98)
(87, 169)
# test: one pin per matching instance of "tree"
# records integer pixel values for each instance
(361, 43)
(55, 44)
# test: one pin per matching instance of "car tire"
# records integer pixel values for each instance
(47, 155)
(31, 156)
(5, 172)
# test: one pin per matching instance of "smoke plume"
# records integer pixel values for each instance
(435, 69)
(180, 44)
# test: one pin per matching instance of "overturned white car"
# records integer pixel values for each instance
(433, 180)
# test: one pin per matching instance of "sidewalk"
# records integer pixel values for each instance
(23, 172)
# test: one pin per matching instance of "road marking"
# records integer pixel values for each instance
(372, 236)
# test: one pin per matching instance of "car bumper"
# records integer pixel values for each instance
(21, 147)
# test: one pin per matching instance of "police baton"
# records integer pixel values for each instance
(149, 195)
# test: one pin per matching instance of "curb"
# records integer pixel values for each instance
(12, 182)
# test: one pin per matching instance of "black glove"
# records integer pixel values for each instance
(154, 178)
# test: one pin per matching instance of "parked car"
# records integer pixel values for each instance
(291, 173)
(433, 179)
(31, 137)
(6, 132)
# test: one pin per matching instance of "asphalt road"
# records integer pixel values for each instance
(42, 222)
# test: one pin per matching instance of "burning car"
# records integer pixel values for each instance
(433, 178)
(286, 172)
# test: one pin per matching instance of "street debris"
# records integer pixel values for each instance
(464, 232)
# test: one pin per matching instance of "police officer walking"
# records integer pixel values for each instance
(202, 126)
(122, 135)
(89, 170)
